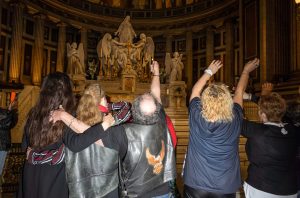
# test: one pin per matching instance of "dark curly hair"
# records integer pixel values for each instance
(56, 90)
(137, 112)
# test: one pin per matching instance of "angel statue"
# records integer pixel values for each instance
(75, 59)
(148, 51)
(92, 68)
(176, 67)
(108, 50)
(125, 31)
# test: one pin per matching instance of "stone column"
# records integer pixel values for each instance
(209, 45)
(189, 59)
(158, 4)
(84, 37)
(169, 43)
(229, 49)
(61, 47)
(178, 3)
(38, 48)
(16, 43)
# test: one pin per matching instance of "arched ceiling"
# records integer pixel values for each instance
(83, 13)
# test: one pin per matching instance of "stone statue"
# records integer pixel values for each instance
(125, 31)
(75, 59)
(92, 68)
(176, 67)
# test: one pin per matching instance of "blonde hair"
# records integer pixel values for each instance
(217, 103)
(87, 110)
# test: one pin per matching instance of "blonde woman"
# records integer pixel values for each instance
(212, 167)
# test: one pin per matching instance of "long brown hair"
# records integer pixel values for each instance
(56, 90)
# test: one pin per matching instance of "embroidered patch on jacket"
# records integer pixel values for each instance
(156, 161)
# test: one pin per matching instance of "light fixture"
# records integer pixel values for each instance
(297, 1)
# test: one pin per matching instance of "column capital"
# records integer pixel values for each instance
(61, 24)
(39, 16)
(18, 3)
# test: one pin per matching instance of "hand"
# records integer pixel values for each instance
(266, 88)
(56, 115)
(28, 152)
(251, 65)
(108, 121)
(154, 67)
(214, 66)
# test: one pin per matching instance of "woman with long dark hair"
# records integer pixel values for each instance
(44, 176)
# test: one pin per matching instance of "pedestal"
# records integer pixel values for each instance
(78, 81)
(128, 82)
(176, 94)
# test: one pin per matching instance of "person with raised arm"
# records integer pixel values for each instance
(212, 166)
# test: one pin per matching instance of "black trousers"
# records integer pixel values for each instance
(189, 192)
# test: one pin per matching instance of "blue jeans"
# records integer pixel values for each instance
(2, 160)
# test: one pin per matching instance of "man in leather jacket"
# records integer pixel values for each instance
(149, 163)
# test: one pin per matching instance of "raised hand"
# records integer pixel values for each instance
(214, 66)
(251, 65)
(154, 67)
(266, 88)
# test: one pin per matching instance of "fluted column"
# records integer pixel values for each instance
(37, 60)
(158, 4)
(229, 60)
(189, 59)
(16, 43)
(61, 47)
(84, 37)
(178, 3)
(169, 43)
(209, 45)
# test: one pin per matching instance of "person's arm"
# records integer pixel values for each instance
(250, 129)
(155, 84)
(242, 84)
(214, 66)
(78, 141)
(123, 113)
(75, 124)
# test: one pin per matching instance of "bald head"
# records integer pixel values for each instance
(147, 104)
(145, 109)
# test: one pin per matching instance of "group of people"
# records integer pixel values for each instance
(82, 150)
(212, 166)
(85, 156)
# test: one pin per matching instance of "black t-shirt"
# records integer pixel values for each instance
(271, 151)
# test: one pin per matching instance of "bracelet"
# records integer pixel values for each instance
(71, 121)
(155, 75)
(208, 71)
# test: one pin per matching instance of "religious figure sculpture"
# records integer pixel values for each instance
(122, 52)
(75, 59)
(125, 31)
(174, 66)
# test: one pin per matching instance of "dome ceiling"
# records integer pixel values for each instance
(93, 14)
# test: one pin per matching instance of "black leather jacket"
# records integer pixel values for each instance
(8, 119)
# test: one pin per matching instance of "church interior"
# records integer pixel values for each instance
(115, 41)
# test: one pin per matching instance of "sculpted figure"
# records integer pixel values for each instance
(75, 59)
(125, 31)
(177, 67)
